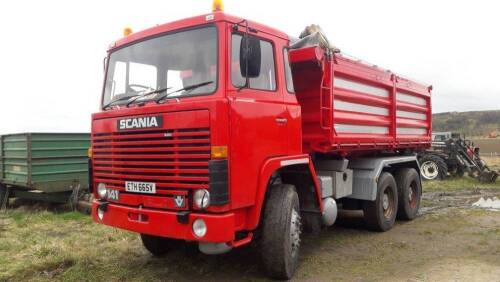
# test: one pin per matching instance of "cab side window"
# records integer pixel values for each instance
(267, 78)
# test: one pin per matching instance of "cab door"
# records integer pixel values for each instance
(258, 119)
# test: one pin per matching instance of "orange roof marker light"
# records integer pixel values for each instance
(217, 6)
(127, 31)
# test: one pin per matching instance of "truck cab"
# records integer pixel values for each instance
(194, 149)
(200, 139)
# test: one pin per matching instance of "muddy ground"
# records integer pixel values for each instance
(449, 241)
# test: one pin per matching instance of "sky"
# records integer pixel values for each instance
(51, 52)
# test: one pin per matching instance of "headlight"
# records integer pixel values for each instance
(199, 228)
(102, 191)
(201, 199)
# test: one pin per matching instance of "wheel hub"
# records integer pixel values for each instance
(388, 204)
(413, 195)
(385, 202)
(429, 170)
(295, 231)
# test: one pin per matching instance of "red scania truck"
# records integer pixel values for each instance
(223, 131)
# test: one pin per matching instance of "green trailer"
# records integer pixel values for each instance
(43, 166)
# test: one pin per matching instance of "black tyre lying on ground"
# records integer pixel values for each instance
(433, 167)
(158, 246)
(379, 215)
(281, 228)
(409, 191)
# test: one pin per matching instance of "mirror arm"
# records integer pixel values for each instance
(247, 80)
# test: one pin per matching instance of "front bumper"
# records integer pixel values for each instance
(220, 227)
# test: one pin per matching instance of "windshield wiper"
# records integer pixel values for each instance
(146, 94)
(122, 98)
(187, 88)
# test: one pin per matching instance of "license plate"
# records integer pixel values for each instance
(140, 187)
(113, 195)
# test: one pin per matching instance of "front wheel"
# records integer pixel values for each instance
(156, 245)
(281, 229)
(379, 215)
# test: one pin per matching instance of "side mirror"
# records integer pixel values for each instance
(250, 57)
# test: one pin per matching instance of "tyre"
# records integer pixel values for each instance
(409, 193)
(281, 228)
(379, 215)
(433, 167)
(3, 196)
(158, 246)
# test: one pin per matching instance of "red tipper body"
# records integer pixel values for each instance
(340, 107)
(349, 107)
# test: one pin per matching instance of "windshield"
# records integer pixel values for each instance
(174, 61)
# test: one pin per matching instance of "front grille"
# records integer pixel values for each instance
(173, 159)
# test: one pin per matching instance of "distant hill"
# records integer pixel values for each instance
(478, 123)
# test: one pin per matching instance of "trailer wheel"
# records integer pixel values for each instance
(158, 246)
(281, 229)
(379, 215)
(409, 191)
(3, 196)
(433, 167)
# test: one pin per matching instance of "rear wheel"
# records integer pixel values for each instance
(158, 246)
(281, 229)
(409, 191)
(379, 215)
(433, 167)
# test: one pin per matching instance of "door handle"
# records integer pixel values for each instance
(281, 120)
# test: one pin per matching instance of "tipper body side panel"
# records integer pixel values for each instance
(350, 107)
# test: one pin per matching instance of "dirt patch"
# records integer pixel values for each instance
(438, 202)
(488, 146)
(431, 248)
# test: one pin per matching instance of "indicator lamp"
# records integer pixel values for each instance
(127, 31)
(217, 6)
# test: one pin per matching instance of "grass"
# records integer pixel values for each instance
(40, 245)
(457, 184)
